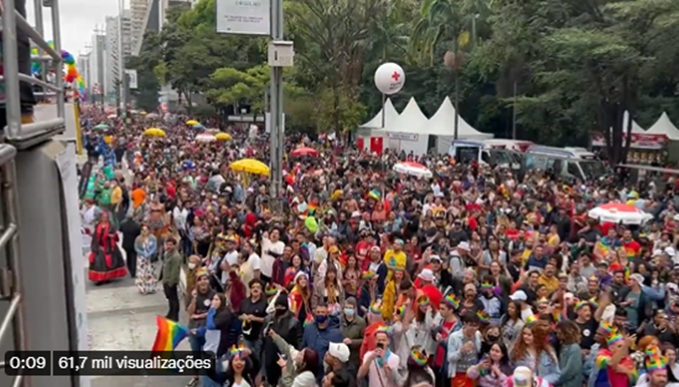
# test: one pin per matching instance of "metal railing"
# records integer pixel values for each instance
(13, 25)
(18, 136)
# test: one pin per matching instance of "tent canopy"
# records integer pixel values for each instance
(391, 116)
(664, 126)
(411, 120)
(635, 127)
(442, 123)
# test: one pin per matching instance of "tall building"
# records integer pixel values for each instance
(83, 64)
(112, 35)
(98, 64)
(138, 10)
(156, 14)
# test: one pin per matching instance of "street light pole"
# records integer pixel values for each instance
(121, 62)
(276, 121)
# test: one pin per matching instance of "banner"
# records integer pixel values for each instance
(244, 17)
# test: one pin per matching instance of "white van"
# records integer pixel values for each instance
(500, 152)
(576, 163)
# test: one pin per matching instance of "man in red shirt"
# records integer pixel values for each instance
(363, 248)
(631, 246)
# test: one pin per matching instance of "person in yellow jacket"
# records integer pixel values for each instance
(395, 277)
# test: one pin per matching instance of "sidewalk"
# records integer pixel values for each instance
(122, 319)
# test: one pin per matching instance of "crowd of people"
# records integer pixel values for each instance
(372, 278)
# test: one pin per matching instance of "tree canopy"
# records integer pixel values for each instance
(569, 67)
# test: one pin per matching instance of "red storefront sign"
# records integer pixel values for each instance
(639, 140)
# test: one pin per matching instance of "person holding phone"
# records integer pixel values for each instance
(380, 365)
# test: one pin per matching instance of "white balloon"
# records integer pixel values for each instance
(389, 78)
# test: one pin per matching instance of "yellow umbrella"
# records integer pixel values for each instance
(223, 136)
(250, 166)
(154, 132)
(192, 122)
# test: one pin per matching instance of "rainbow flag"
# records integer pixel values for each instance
(169, 335)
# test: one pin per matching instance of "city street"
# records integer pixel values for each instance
(122, 319)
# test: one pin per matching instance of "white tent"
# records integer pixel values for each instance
(442, 123)
(408, 133)
(411, 120)
(391, 116)
(635, 127)
(666, 127)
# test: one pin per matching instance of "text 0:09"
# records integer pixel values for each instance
(28, 363)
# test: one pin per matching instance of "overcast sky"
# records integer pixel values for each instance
(78, 21)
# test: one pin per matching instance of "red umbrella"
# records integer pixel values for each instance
(304, 152)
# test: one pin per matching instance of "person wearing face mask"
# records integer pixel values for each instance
(353, 330)
(191, 280)
(287, 328)
(323, 331)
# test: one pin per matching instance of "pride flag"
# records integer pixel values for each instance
(169, 335)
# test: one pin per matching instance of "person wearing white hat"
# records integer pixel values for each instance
(523, 377)
(337, 355)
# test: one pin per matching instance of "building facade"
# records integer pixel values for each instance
(83, 64)
(156, 14)
(112, 28)
(138, 12)
(98, 65)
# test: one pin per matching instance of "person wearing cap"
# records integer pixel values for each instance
(526, 310)
(337, 357)
(661, 371)
(523, 377)
(425, 282)
(613, 365)
(634, 301)
(457, 262)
